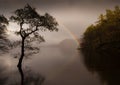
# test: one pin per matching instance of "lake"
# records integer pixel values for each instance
(60, 64)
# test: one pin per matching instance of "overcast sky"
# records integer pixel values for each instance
(72, 15)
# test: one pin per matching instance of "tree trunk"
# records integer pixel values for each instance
(20, 62)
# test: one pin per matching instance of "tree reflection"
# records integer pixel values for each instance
(11, 78)
(33, 78)
(105, 61)
(3, 77)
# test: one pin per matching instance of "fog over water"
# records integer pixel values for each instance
(59, 64)
(58, 60)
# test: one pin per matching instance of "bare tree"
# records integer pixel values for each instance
(30, 23)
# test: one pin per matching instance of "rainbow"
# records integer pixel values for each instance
(71, 59)
(73, 36)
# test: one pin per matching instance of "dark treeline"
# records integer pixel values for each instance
(101, 47)
(106, 31)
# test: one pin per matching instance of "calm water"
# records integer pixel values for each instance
(57, 64)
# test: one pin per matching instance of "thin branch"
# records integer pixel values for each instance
(32, 31)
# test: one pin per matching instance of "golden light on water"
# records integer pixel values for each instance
(8, 62)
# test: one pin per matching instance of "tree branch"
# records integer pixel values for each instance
(21, 24)
(32, 31)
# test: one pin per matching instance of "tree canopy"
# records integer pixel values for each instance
(30, 24)
(101, 47)
(3, 29)
(106, 31)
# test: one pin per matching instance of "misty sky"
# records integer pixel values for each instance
(74, 15)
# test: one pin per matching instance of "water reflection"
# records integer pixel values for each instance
(11, 77)
(3, 77)
(106, 62)
(60, 64)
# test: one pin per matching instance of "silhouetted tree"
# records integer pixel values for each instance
(31, 23)
(3, 29)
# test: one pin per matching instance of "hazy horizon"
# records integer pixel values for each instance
(58, 60)
(73, 16)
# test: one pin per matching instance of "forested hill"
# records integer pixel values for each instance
(105, 33)
(101, 47)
